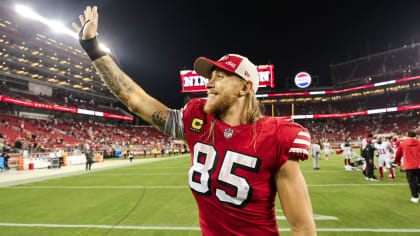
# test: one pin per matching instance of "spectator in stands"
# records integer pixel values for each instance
(409, 150)
(6, 148)
(18, 143)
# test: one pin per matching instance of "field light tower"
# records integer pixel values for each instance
(54, 25)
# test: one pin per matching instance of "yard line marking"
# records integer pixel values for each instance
(101, 226)
(97, 187)
(198, 228)
(368, 230)
(345, 185)
(160, 167)
(316, 217)
(175, 187)
(128, 174)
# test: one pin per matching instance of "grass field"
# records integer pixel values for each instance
(344, 203)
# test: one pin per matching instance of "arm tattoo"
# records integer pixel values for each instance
(116, 80)
(159, 120)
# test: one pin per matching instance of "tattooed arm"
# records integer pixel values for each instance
(131, 94)
(121, 85)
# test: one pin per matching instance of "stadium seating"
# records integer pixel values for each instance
(69, 133)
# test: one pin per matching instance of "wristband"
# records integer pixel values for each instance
(91, 46)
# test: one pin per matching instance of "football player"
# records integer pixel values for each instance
(326, 146)
(240, 160)
(383, 148)
(347, 154)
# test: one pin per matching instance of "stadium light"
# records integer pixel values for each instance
(54, 25)
(26, 12)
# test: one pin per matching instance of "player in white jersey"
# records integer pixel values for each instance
(347, 154)
(383, 148)
(326, 146)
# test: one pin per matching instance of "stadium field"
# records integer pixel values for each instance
(154, 199)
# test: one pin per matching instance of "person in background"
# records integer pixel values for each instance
(368, 153)
(89, 159)
(130, 155)
(347, 154)
(6, 157)
(59, 154)
(326, 147)
(409, 150)
(383, 148)
(316, 154)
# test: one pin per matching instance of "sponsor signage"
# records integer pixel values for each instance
(303, 80)
(62, 108)
(192, 82)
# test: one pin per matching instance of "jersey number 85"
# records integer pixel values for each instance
(205, 163)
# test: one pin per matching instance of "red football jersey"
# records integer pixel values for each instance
(232, 173)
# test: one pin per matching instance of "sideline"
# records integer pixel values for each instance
(14, 177)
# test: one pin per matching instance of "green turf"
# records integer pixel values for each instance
(109, 195)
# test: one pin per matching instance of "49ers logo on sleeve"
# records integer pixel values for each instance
(196, 125)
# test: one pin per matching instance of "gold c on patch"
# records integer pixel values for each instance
(196, 125)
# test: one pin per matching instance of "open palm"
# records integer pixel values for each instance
(90, 22)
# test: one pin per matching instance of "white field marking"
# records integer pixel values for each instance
(128, 174)
(101, 226)
(157, 168)
(316, 216)
(335, 171)
(198, 229)
(175, 187)
(98, 187)
(368, 230)
(345, 185)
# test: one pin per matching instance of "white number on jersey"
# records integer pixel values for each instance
(204, 164)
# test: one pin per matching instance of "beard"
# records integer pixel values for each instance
(219, 104)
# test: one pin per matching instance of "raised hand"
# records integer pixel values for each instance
(89, 23)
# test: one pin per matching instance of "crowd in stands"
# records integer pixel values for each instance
(357, 127)
(392, 64)
(42, 135)
(360, 103)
